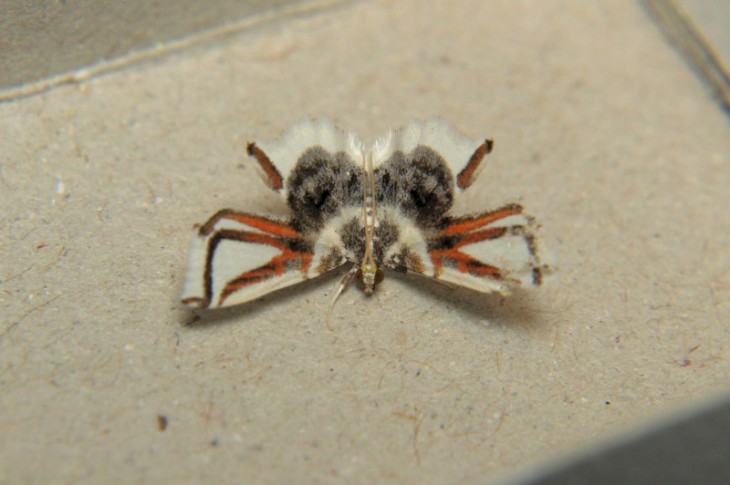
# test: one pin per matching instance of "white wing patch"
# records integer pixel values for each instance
(411, 250)
(285, 153)
(436, 134)
(237, 257)
(492, 251)
(511, 253)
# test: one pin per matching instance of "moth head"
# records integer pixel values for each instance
(370, 275)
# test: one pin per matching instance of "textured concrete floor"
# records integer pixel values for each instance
(600, 132)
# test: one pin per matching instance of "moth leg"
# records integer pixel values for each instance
(344, 283)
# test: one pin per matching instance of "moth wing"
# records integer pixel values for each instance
(492, 252)
(329, 249)
(410, 252)
(277, 159)
(237, 257)
(463, 156)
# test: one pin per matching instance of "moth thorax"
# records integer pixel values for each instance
(368, 269)
(370, 217)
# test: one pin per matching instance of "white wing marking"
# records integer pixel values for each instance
(237, 257)
(493, 251)
(285, 152)
(439, 135)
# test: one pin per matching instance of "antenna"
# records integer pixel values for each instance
(368, 268)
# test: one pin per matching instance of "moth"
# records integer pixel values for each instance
(383, 206)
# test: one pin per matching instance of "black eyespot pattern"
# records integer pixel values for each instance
(420, 183)
(319, 186)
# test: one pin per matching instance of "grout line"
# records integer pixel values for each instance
(158, 50)
(683, 33)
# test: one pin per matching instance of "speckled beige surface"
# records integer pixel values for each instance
(51, 39)
(600, 131)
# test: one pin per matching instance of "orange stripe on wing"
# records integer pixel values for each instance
(276, 267)
(466, 176)
(463, 263)
(264, 239)
(273, 176)
(466, 224)
(271, 226)
(267, 225)
(279, 262)
(477, 236)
